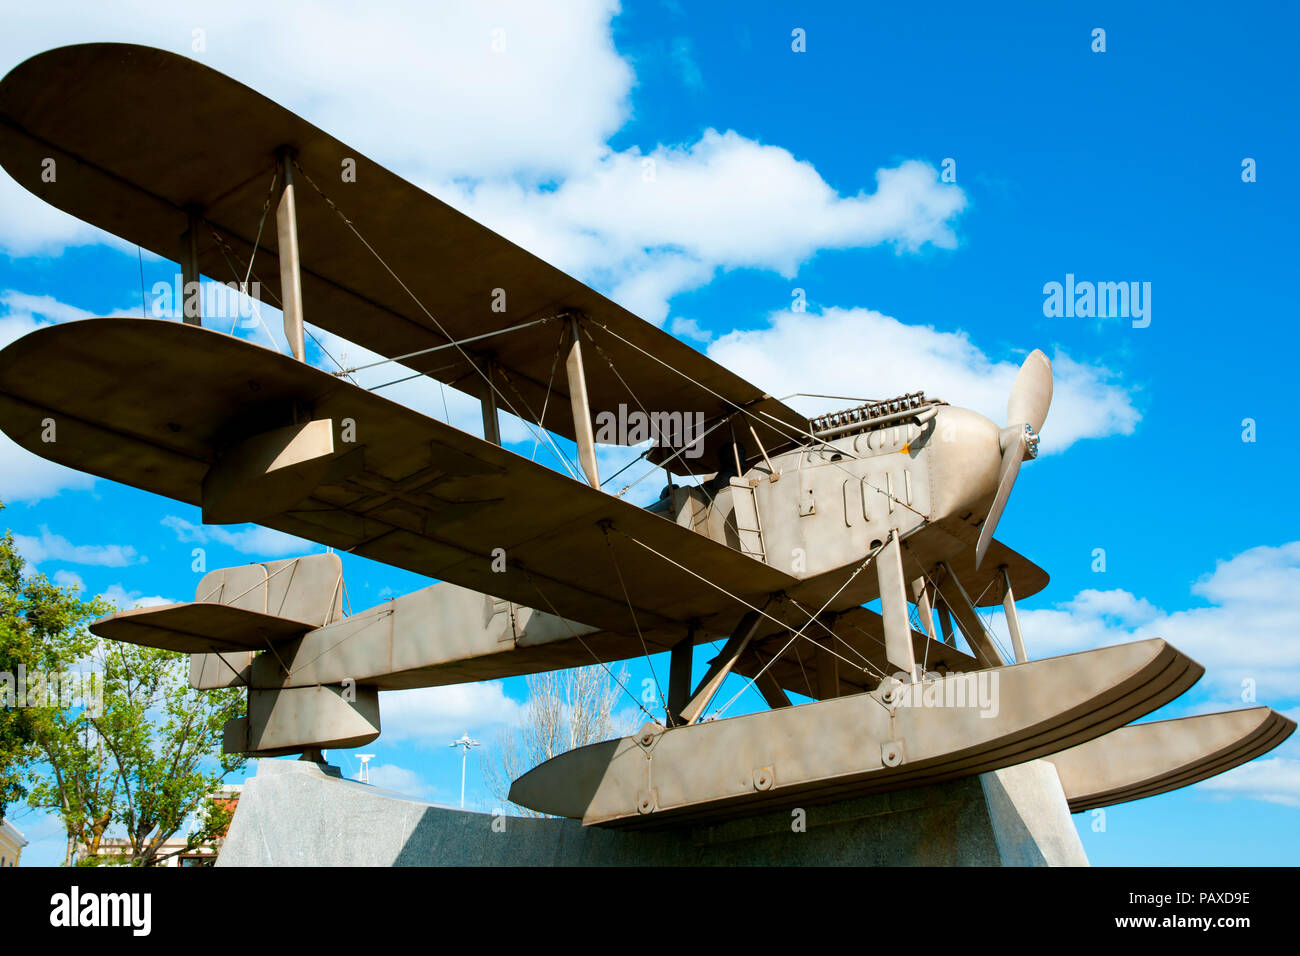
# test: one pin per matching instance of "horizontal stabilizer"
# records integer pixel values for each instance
(199, 628)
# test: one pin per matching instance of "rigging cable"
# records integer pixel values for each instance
(416, 299)
(632, 611)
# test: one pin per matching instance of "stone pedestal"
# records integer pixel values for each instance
(296, 813)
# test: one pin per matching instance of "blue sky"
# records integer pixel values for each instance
(821, 171)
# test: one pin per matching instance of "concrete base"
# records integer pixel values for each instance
(296, 813)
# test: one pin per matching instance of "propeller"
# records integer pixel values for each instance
(1031, 397)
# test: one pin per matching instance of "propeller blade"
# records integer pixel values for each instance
(1011, 459)
(1031, 395)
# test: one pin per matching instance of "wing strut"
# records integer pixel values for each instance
(191, 301)
(968, 620)
(581, 407)
(1013, 618)
(722, 665)
(488, 397)
(921, 596)
(286, 230)
(893, 608)
(828, 669)
(768, 686)
(679, 676)
(945, 620)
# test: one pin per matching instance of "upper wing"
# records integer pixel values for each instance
(154, 404)
(140, 135)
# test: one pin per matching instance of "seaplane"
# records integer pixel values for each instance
(773, 534)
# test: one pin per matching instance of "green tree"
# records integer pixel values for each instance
(164, 739)
(143, 755)
(79, 783)
(42, 629)
(144, 760)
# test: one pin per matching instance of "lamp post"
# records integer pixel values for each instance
(464, 743)
(364, 773)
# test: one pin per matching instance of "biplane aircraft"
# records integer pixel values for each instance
(771, 536)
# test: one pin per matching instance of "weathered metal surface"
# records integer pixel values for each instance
(1013, 619)
(439, 635)
(225, 669)
(721, 666)
(859, 744)
(236, 612)
(245, 608)
(893, 605)
(290, 720)
(409, 491)
(1142, 760)
(286, 232)
(198, 628)
(958, 600)
(308, 588)
(266, 474)
(576, 375)
(856, 660)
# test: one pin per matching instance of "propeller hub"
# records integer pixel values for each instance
(1031, 442)
(1022, 434)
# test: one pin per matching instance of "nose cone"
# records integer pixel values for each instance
(965, 459)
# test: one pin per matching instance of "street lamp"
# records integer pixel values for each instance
(364, 773)
(465, 742)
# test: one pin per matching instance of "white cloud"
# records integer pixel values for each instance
(26, 311)
(252, 539)
(683, 56)
(1247, 633)
(643, 224)
(418, 86)
(399, 780)
(428, 397)
(1113, 606)
(55, 547)
(32, 227)
(685, 328)
(69, 579)
(1272, 779)
(126, 600)
(28, 477)
(805, 351)
(518, 139)
(647, 226)
(422, 394)
(427, 714)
